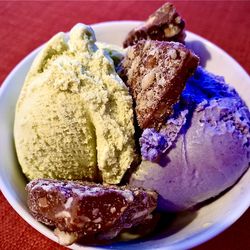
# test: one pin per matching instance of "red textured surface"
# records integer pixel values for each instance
(26, 25)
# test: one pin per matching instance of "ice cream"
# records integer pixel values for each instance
(201, 150)
(74, 117)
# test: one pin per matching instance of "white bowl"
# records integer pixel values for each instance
(188, 229)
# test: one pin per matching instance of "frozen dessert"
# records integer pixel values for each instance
(74, 116)
(74, 131)
(165, 24)
(156, 72)
(201, 150)
(88, 211)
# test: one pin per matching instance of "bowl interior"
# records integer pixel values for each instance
(187, 229)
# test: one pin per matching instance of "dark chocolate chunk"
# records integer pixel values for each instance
(165, 24)
(156, 73)
(81, 210)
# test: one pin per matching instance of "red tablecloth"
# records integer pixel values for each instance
(26, 25)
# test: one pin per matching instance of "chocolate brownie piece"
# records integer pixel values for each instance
(84, 211)
(156, 72)
(165, 24)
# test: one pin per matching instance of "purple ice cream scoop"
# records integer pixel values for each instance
(201, 150)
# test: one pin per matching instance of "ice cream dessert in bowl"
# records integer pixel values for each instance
(83, 121)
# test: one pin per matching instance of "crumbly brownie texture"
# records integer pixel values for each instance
(84, 211)
(155, 73)
(165, 24)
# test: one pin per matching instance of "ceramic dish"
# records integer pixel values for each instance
(187, 229)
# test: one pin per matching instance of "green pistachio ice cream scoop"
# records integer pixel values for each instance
(74, 117)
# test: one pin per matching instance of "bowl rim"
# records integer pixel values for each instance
(184, 244)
